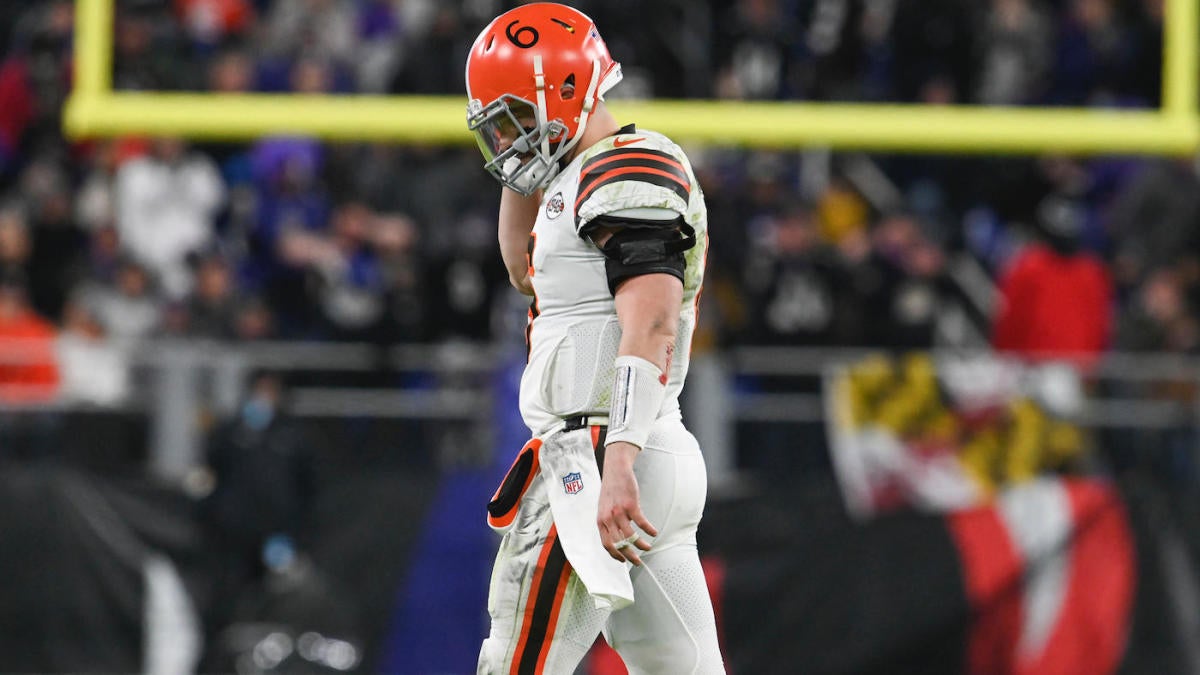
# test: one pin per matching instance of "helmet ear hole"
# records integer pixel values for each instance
(567, 91)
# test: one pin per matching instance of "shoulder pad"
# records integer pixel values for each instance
(632, 171)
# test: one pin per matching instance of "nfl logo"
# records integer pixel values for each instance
(572, 483)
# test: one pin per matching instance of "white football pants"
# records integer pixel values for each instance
(544, 621)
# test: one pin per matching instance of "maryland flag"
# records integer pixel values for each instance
(939, 436)
(959, 536)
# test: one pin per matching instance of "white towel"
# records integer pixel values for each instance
(569, 470)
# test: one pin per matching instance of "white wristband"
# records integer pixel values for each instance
(638, 392)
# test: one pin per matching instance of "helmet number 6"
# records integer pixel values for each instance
(519, 37)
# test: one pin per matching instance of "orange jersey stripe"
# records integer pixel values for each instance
(628, 170)
(590, 169)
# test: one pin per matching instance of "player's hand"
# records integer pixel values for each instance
(619, 510)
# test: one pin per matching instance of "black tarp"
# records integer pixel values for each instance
(74, 546)
(806, 589)
(809, 590)
(72, 564)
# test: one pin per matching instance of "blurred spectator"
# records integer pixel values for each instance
(262, 470)
(765, 184)
(344, 275)
(831, 60)
(231, 72)
(395, 238)
(94, 370)
(840, 211)
(725, 218)
(311, 75)
(96, 200)
(28, 368)
(753, 42)
(796, 290)
(210, 22)
(464, 280)
(57, 243)
(17, 112)
(1158, 318)
(147, 52)
(1155, 221)
(794, 281)
(166, 203)
(1055, 301)
(253, 320)
(931, 40)
(1148, 34)
(900, 284)
(35, 79)
(291, 196)
(320, 29)
(15, 246)
(1097, 57)
(29, 375)
(1015, 53)
(437, 55)
(211, 309)
(44, 264)
(103, 256)
(381, 44)
(128, 308)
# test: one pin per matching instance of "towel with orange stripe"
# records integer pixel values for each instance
(569, 469)
(564, 464)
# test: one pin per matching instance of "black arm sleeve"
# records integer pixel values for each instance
(640, 247)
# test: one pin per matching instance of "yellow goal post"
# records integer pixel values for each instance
(95, 110)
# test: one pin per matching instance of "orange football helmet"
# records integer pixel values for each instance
(533, 77)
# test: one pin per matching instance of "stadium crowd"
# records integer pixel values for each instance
(292, 238)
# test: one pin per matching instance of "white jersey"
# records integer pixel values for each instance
(573, 331)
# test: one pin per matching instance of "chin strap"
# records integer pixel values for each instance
(589, 104)
(539, 81)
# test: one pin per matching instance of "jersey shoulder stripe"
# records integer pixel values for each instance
(648, 166)
(635, 175)
(629, 152)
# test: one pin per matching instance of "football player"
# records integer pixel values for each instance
(605, 227)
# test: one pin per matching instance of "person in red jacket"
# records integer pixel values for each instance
(28, 367)
(1055, 300)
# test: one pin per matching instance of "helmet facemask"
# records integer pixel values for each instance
(530, 159)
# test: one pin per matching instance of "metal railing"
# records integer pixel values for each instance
(173, 381)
